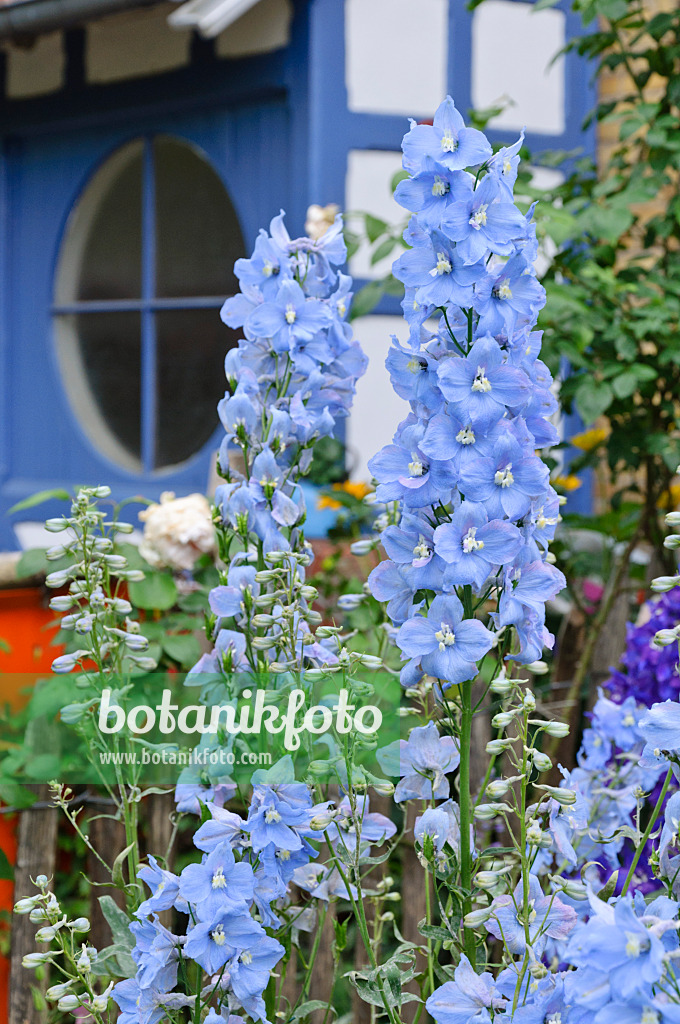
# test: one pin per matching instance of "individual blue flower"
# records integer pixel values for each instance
(219, 883)
(346, 828)
(411, 543)
(431, 191)
(527, 586)
(504, 163)
(442, 825)
(640, 1010)
(660, 728)
(482, 385)
(290, 317)
(507, 296)
(549, 917)
(616, 942)
(467, 999)
(423, 763)
(394, 585)
(212, 943)
(507, 482)
(137, 1005)
(480, 222)
(266, 268)
(273, 819)
(250, 971)
(447, 645)
(437, 273)
(452, 439)
(414, 376)
(446, 140)
(164, 887)
(156, 954)
(472, 546)
(223, 826)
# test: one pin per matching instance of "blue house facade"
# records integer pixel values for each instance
(144, 144)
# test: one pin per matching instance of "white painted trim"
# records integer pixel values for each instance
(209, 17)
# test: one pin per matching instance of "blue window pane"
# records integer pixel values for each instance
(198, 237)
(190, 350)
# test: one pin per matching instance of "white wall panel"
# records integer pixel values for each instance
(512, 47)
(369, 177)
(377, 408)
(396, 55)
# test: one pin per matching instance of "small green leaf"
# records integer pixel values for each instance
(58, 494)
(383, 250)
(118, 922)
(593, 399)
(32, 563)
(6, 869)
(182, 647)
(375, 227)
(625, 384)
(367, 299)
(117, 876)
(156, 592)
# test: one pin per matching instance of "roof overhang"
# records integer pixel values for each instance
(209, 17)
(33, 17)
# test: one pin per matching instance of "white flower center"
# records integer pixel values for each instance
(443, 264)
(466, 435)
(507, 165)
(283, 854)
(470, 543)
(532, 912)
(267, 269)
(421, 549)
(542, 520)
(629, 719)
(218, 936)
(414, 365)
(342, 307)
(633, 945)
(504, 477)
(649, 1016)
(554, 1018)
(415, 468)
(503, 291)
(481, 381)
(291, 315)
(246, 957)
(445, 636)
(272, 816)
(218, 879)
(478, 218)
(449, 144)
(439, 187)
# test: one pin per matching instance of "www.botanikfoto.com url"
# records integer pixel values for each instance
(186, 758)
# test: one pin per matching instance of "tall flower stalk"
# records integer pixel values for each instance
(468, 570)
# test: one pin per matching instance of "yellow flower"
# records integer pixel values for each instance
(357, 490)
(590, 439)
(566, 483)
(670, 499)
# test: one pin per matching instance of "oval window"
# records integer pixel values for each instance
(146, 262)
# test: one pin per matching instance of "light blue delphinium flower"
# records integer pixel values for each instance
(219, 883)
(447, 645)
(549, 918)
(467, 1000)
(423, 762)
(471, 545)
(447, 141)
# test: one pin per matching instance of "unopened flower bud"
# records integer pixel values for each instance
(575, 890)
(81, 924)
(362, 547)
(537, 970)
(370, 661)
(486, 812)
(477, 917)
(263, 643)
(83, 962)
(662, 584)
(46, 934)
(42, 881)
(59, 578)
(349, 602)
(57, 525)
(31, 960)
(502, 719)
(487, 879)
(538, 668)
(497, 788)
(565, 797)
(541, 761)
(266, 576)
(69, 1002)
(673, 519)
(497, 746)
(665, 637)
(26, 905)
(383, 788)
(556, 729)
(672, 541)
(58, 991)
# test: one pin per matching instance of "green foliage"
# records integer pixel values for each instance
(613, 309)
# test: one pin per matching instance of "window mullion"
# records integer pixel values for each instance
(148, 320)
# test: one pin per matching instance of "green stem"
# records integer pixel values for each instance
(465, 805)
(648, 831)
